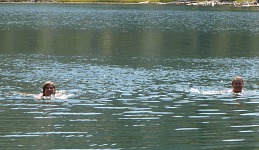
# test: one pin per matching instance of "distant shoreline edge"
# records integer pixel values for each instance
(184, 2)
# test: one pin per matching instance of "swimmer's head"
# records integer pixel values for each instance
(48, 89)
(237, 84)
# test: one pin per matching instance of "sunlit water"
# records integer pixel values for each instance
(135, 76)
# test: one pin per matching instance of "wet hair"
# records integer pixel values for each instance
(47, 84)
(238, 78)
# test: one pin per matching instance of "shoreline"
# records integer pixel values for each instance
(184, 3)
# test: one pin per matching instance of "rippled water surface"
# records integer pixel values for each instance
(135, 76)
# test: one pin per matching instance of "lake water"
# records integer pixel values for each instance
(136, 76)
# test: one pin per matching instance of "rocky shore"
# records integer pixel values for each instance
(214, 3)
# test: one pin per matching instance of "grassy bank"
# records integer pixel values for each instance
(91, 1)
(114, 1)
(119, 1)
(137, 1)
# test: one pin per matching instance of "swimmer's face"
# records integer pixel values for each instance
(237, 86)
(49, 90)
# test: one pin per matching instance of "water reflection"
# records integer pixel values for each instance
(133, 30)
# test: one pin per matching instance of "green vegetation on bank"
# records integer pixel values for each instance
(121, 1)
(138, 1)
(117, 1)
(113, 1)
(93, 1)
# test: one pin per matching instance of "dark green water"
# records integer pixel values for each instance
(136, 76)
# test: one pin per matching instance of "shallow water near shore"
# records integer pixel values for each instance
(136, 76)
